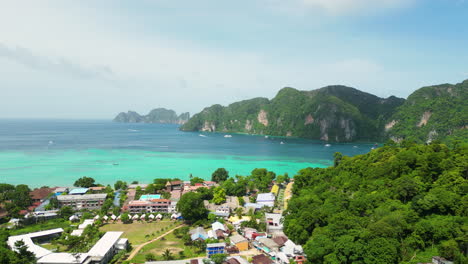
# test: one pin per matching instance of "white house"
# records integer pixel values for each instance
(266, 199)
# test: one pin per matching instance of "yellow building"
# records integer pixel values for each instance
(275, 189)
(240, 242)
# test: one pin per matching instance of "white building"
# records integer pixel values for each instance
(101, 253)
(273, 223)
(266, 199)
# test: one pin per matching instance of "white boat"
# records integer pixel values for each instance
(327, 145)
(202, 135)
(266, 136)
(281, 142)
(51, 142)
(228, 136)
(355, 146)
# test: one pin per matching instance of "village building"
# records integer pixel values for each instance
(78, 191)
(261, 259)
(85, 201)
(274, 223)
(266, 199)
(39, 195)
(215, 248)
(174, 186)
(240, 242)
(198, 233)
(149, 206)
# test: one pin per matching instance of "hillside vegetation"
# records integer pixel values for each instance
(387, 206)
(333, 113)
(434, 112)
(344, 114)
(158, 115)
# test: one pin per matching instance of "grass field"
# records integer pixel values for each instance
(140, 232)
(50, 224)
(171, 242)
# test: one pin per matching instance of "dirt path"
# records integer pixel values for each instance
(139, 247)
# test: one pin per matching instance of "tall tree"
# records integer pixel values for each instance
(220, 175)
(84, 182)
(191, 207)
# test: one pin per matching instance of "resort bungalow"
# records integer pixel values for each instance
(266, 199)
(240, 242)
(215, 248)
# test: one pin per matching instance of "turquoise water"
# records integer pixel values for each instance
(57, 152)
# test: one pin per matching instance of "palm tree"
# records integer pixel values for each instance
(167, 255)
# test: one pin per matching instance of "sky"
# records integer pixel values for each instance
(92, 59)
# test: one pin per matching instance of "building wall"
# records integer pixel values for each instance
(242, 246)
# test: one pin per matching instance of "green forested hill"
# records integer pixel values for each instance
(158, 115)
(434, 112)
(392, 205)
(333, 113)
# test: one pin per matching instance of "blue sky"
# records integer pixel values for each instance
(92, 59)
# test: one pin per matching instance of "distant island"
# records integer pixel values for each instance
(345, 114)
(158, 116)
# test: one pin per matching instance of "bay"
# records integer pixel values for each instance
(57, 152)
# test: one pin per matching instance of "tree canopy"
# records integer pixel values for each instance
(384, 206)
(191, 207)
(220, 175)
(85, 182)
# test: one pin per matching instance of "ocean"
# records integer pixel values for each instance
(57, 152)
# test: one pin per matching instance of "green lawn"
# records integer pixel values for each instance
(140, 232)
(171, 242)
(50, 224)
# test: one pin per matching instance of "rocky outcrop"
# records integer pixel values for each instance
(248, 125)
(389, 125)
(309, 120)
(208, 127)
(262, 117)
(424, 119)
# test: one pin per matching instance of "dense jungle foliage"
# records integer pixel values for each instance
(386, 206)
(333, 113)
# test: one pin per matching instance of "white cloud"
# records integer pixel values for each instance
(341, 7)
(63, 44)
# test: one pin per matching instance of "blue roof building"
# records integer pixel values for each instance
(215, 248)
(149, 197)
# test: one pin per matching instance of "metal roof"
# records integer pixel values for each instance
(105, 244)
(78, 191)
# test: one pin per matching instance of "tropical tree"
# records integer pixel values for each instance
(191, 207)
(84, 182)
(219, 195)
(220, 175)
(167, 255)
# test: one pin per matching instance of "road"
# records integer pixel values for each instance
(139, 247)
